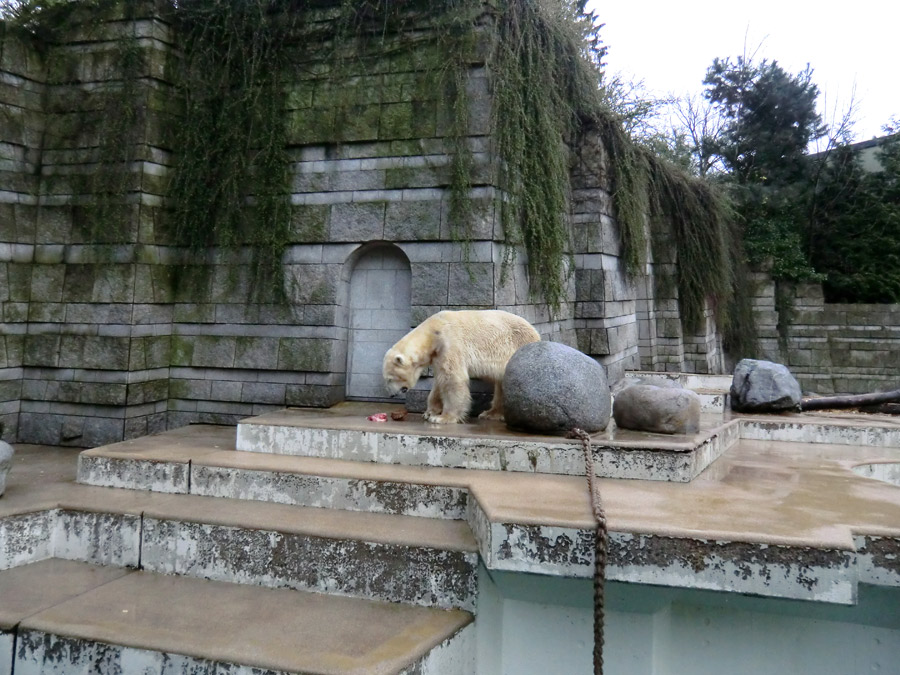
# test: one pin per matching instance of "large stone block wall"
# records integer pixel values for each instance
(606, 296)
(21, 129)
(104, 337)
(830, 348)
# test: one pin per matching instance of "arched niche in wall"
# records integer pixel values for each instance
(379, 315)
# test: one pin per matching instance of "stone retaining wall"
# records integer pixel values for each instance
(830, 348)
(102, 340)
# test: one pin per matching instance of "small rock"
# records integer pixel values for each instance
(6, 455)
(763, 386)
(661, 410)
(550, 388)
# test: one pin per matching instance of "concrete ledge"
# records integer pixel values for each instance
(396, 573)
(485, 445)
(144, 620)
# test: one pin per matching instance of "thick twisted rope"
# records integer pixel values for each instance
(600, 547)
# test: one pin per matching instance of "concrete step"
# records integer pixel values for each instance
(343, 432)
(60, 617)
(197, 462)
(420, 561)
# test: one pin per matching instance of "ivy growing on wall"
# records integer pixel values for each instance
(232, 176)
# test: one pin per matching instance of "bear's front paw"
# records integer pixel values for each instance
(492, 415)
(444, 419)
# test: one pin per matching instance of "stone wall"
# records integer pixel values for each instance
(830, 348)
(105, 339)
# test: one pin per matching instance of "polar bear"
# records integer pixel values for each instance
(459, 345)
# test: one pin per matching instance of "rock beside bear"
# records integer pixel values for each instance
(661, 410)
(763, 386)
(550, 388)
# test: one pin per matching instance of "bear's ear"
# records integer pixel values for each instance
(398, 359)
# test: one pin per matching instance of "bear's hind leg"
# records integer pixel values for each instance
(495, 412)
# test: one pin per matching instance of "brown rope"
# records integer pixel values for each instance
(600, 547)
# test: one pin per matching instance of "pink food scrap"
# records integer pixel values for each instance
(377, 417)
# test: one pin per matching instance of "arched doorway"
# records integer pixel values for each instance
(379, 316)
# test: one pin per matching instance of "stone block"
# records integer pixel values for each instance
(263, 392)
(149, 391)
(357, 221)
(471, 284)
(47, 312)
(408, 119)
(256, 353)
(213, 351)
(309, 223)
(194, 313)
(15, 312)
(225, 390)
(430, 283)
(41, 351)
(312, 284)
(79, 283)
(47, 282)
(102, 353)
(182, 350)
(313, 395)
(413, 221)
(305, 354)
(190, 389)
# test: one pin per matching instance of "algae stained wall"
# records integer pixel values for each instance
(106, 337)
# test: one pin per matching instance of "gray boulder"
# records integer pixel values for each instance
(550, 388)
(763, 386)
(661, 410)
(6, 455)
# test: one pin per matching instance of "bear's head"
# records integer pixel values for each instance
(400, 372)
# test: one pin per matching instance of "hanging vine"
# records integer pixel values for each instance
(231, 181)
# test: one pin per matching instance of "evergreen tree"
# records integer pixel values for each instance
(770, 118)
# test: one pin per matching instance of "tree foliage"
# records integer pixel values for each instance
(769, 119)
(854, 235)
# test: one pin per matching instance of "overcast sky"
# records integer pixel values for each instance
(670, 45)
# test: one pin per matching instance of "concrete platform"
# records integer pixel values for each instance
(772, 518)
(343, 432)
(109, 620)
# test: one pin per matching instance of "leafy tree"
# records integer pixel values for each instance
(766, 120)
(769, 119)
(857, 226)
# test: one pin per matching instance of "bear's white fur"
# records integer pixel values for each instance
(459, 345)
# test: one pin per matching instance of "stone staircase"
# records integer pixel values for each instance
(195, 558)
(319, 542)
(307, 542)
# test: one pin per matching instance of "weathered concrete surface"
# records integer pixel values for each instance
(135, 621)
(396, 573)
(875, 431)
(29, 589)
(799, 573)
(26, 538)
(759, 499)
(285, 487)
(344, 433)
